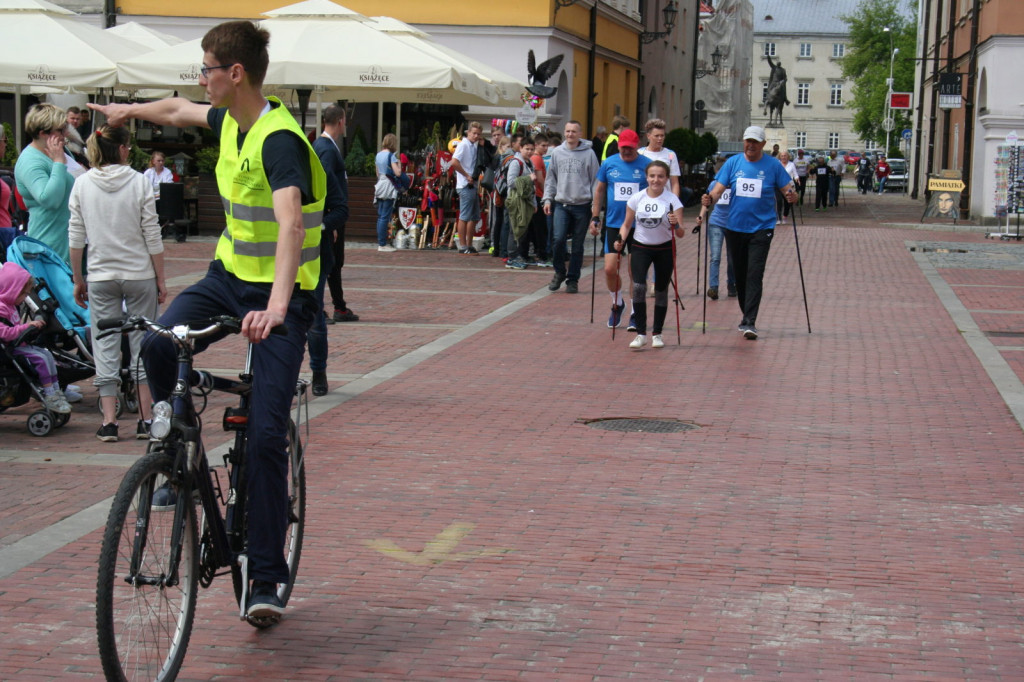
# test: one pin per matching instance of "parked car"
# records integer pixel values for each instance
(852, 158)
(897, 180)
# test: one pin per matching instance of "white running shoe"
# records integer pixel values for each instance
(638, 342)
(386, 248)
(56, 402)
(657, 342)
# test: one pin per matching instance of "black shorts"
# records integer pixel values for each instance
(611, 234)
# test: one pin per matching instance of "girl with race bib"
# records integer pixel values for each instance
(658, 215)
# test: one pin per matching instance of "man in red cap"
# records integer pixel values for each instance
(621, 176)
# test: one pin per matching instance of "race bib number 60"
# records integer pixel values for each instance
(748, 187)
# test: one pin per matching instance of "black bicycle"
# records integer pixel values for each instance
(158, 549)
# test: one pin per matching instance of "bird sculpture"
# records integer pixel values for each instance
(539, 75)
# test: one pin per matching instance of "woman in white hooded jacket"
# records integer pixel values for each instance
(113, 208)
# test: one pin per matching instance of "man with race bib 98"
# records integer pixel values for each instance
(620, 177)
(753, 179)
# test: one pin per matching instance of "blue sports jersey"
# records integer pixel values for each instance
(720, 214)
(753, 186)
(623, 180)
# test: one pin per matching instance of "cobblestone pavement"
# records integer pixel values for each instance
(848, 505)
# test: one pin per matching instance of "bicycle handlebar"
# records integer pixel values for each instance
(226, 323)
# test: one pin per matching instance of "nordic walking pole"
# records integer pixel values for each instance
(707, 251)
(618, 281)
(796, 239)
(593, 278)
(675, 276)
(698, 266)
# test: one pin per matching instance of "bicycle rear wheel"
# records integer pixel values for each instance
(144, 612)
(296, 522)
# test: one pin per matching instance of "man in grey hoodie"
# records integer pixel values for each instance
(568, 192)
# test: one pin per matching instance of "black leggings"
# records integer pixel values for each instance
(641, 258)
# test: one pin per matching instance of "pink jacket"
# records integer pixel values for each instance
(12, 281)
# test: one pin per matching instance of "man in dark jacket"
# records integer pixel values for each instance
(332, 243)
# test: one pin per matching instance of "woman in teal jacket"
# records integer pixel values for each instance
(43, 178)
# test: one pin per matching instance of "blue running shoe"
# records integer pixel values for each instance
(632, 323)
(616, 317)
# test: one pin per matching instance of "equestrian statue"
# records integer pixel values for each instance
(776, 97)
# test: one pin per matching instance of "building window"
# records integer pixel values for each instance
(769, 49)
(833, 140)
(801, 139)
(838, 49)
(764, 92)
(803, 93)
(836, 97)
(805, 50)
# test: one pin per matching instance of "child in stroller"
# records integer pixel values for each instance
(15, 285)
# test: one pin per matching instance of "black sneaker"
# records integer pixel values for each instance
(164, 498)
(142, 430)
(108, 433)
(470, 250)
(263, 601)
(344, 316)
(556, 282)
(572, 287)
(320, 383)
(732, 291)
(750, 333)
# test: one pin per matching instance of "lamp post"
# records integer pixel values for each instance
(716, 60)
(669, 14)
(888, 123)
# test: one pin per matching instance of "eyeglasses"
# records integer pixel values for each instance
(205, 70)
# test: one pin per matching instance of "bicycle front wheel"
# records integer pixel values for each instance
(148, 577)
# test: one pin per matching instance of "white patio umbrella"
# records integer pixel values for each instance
(41, 45)
(335, 52)
(150, 39)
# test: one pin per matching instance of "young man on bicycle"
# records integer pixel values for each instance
(264, 271)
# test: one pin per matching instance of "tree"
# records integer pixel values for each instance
(867, 63)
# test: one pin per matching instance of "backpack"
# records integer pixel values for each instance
(501, 179)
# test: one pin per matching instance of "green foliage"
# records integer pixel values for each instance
(355, 161)
(206, 159)
(867, 64)
(689, 147)
(709, 145)
(430, 137)
(137, 158)
(11, 155)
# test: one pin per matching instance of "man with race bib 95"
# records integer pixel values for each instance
(753, 179)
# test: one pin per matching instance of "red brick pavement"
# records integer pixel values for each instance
(849, 507)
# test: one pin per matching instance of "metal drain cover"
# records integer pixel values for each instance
(640, 425)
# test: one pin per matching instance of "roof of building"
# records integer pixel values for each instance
(802, 17)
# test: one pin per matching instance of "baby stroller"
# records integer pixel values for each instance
(67, 334)
(19, 384)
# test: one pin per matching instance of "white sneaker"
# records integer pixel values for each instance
(72, 396)
(56, 402)
(638, 342)
(386, 248)
(656, 341)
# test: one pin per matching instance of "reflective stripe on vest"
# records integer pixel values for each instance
(608, 143)
(248, 246)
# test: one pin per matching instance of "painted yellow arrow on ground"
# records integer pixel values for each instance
(439, 550)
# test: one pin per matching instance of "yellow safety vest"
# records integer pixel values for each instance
(608, 143)
(248, 246)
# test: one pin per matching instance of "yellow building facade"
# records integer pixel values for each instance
(600, 41)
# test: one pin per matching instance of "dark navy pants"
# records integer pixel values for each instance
(276, 363)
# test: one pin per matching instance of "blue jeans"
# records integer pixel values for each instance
(715, 238)
(881, 184)
(316, 339)
(385, 207)
(277, 360)
(575, 218)
(833, 190)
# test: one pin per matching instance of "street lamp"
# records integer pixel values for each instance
(669, 13)
(888, 123)
(716, 60)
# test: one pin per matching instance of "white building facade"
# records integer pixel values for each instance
(809, 39)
